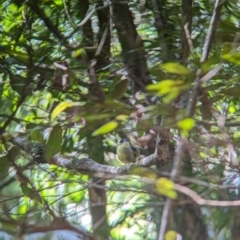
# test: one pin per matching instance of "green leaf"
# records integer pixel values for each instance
(232, 58)
(94, 117)
(36, 134)
(21, 56)
(205, 66)
(54, 142)
(165, 187)
(158, 72)
(186, 124)
(165, 86)
(176, 68)
(4, 165)
(79, 52)
(119, 89)
(106, 128)
(61, 107)
(169, 88)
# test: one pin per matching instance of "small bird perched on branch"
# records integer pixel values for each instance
(127, 152)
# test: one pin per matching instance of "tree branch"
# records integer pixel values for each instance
(200, 201)
(84, 165)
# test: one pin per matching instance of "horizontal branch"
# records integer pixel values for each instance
(83, 165)
(89, 166)
(200, 201)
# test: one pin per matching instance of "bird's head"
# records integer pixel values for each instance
(123, 140)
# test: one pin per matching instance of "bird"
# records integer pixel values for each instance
(127, 152)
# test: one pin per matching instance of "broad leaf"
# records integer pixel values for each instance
(61, 107)
(106, 128)
(177, 68)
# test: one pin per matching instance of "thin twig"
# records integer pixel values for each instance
(174, 175)
(87, 17)
(102, 42)
(188, 37)
(68, 15)
(200, 201)
(212, 29)
(190, 112)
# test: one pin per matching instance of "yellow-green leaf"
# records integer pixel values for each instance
(106, 128)
(122, 117)
(232, 58)
(232, 108)
(205, 66)
(165, 86)
(169, 88)
(177, 68)
(61, 107)
(79, 52)
(165, 187)
(186, 124)
(170, 235)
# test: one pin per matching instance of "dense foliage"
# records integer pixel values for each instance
(77, 75)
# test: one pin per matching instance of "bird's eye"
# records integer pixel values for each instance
(123, 140)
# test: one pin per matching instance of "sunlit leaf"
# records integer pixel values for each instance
(79, 52)
(165, 86)
(186, 124)
(169, 88)
(122, 117)
(61, 107)
(202, 154)
(177, 68)
(165, 187)
(76, 197)
(106, 128)
(232, 58)
(171, 235)
(232, 108)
